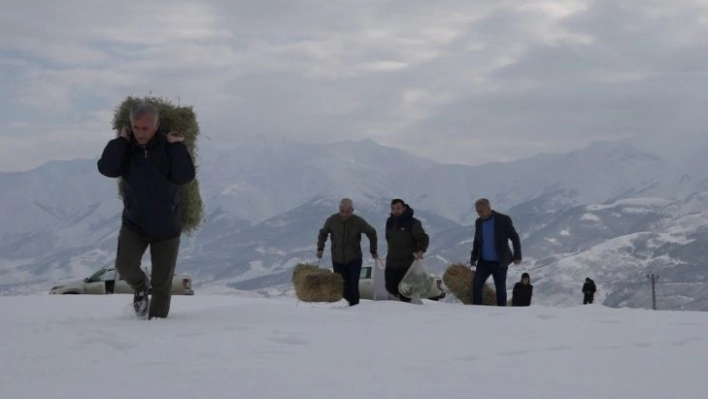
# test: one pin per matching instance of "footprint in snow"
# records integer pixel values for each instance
(558, 348)
(289, 340)
(544, 316)
(686, 341)
(514, 353)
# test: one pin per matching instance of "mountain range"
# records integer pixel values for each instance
(614, 211)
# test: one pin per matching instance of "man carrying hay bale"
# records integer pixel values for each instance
(345, 230)
(490, 250)
(407, 241)
(151, 166)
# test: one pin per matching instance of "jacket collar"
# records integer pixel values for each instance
(154, 142)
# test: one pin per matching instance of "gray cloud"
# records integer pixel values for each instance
(454, 81)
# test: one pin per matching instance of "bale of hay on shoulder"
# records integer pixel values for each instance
(178, 118)
(314, 284)
(458, 279)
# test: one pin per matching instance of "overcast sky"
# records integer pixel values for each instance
(460, 81)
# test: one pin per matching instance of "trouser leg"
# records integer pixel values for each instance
(164, 259)
(481, 274)
(393, 278)
(131, 248)
(499, 275)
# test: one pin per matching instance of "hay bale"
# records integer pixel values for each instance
(458, 279)
(172, 118)
(314, 284)
(300, 271)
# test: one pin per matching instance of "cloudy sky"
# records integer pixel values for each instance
(453, 80)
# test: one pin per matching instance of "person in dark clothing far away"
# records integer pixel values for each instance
(589, 290)
(490, 250)
(407, 241)
(152, 165)
(523, 291)
(345, 230)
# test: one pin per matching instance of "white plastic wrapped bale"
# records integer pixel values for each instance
(416, 282)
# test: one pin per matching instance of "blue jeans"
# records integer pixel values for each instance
(484, 270)
(350, 274)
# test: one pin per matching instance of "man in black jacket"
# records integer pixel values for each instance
(407, 241)
(151, 166)
(523, 291)
(589, 290)
(490, 250)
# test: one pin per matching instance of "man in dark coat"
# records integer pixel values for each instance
(345, 230)
(407, 241)
(523, 291)
(490, 250)
(589, 290)
(152, 165)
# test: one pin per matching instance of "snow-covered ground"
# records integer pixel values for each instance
(245, 347)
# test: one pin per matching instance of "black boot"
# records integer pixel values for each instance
(141, 299)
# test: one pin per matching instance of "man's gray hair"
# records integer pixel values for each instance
(482, 201)
(141, 109)
(346, 203)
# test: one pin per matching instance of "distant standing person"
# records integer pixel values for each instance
(152, 165)
(407, 241)
(345, 230)
(523, 291)
(589, 290)
(490, 250)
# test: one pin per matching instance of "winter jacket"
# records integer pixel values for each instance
(589, 288)
(405, 236)
(346, 237)
(150, 179)
(503, 232)
(521, 296)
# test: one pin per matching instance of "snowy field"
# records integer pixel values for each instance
(245, 347)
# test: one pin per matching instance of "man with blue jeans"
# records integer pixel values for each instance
(490, 250)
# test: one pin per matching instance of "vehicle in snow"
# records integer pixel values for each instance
(366, 286)
(104, 282)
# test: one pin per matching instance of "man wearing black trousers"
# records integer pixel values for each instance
(345, 230)
(490, 250)
(589, 290)
(152, 165)
(407, 241)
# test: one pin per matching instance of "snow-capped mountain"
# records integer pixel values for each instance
(613, 211)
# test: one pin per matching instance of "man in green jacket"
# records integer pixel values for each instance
(407, 241)
(345, 230)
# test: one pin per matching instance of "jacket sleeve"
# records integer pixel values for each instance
(421, 237)
(476, 241)
(514, 237)
(371, 235)
(515, 295)
(114, 158)
(322, 236)
(182, 169)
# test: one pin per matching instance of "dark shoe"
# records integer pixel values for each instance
(141, 300)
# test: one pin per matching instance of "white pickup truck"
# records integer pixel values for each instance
(104, 282)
